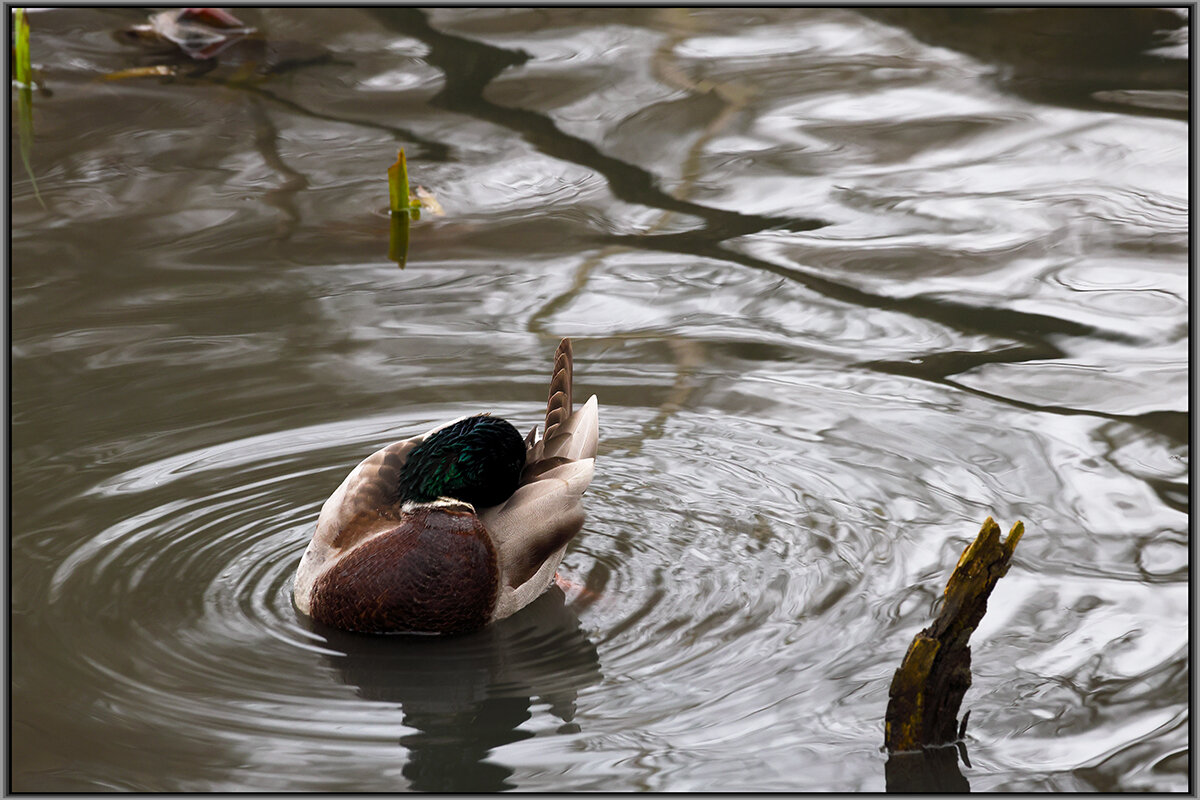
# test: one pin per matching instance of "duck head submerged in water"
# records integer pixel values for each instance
(461, 526)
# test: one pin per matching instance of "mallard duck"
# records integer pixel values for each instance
(455, 528)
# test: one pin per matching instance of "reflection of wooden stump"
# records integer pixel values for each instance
(928, 689)
(932, 770)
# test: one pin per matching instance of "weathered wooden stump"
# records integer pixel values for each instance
(928, 688)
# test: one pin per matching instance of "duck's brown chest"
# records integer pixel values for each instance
(435, 572)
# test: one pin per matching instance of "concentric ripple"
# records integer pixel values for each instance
(733, 572)
(234, 662)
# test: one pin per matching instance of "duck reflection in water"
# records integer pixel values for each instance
(467, 695)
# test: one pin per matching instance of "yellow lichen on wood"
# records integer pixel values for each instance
(908, 683)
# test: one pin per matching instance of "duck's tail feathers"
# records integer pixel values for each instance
(578, 437)
(570, 434)
(558, 407)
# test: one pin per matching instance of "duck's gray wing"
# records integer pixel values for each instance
(532, 528)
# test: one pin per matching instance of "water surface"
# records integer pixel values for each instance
(846, 283)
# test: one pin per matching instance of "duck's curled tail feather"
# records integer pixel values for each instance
(558, 407)
(569, 435)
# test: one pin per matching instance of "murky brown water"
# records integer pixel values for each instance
(845, 283)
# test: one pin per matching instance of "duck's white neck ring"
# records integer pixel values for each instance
(443, 503)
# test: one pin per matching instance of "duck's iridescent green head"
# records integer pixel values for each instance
(477, 460)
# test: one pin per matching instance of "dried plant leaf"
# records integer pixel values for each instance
(427, 200)
(141, 72)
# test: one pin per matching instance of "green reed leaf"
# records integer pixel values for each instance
(398, 240)
(24, 78)
(21, 48)
(398, 185)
